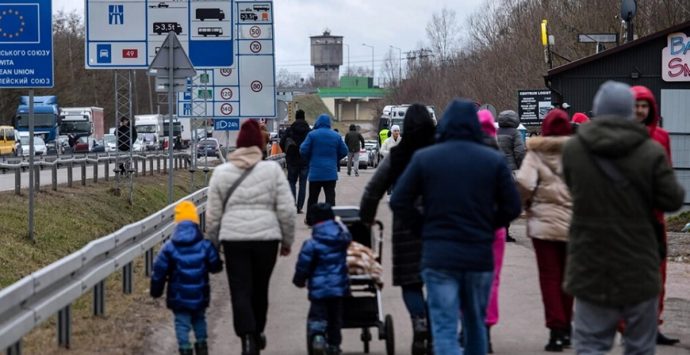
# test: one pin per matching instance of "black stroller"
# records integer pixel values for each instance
(363, 309)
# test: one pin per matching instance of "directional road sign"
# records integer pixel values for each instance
(126, 34)
(226, 124)
(26, 44)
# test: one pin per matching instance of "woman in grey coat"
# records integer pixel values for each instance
(511, 144)
(407, 244)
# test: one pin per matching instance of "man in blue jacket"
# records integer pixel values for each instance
(467, 192)
(323, 149)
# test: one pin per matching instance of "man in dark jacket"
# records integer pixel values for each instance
(124, 139)
(354, 142)
(297, 168)
(465, 198)
(617, 176)
(323, 149)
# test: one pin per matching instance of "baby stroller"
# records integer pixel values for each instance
(363, 309)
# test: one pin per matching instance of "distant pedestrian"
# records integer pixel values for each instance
(579, 119)
(184, 263)
(384, 133)
(647, 112)
(266, 136)
(324, 149)
(391, 142)
(549, 210)
(355, 143)
(126, 135)
(322, 265)
(251, 212)
(298, 168)
(488, 125)
(465, 198)
(617, 176)
(406, 238)
(512, 145)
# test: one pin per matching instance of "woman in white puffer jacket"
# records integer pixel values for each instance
(257, 220)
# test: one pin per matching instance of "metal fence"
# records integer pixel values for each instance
(32, 300)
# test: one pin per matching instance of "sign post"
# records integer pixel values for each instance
(26, 61)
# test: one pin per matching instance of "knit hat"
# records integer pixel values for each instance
(486, 120)
(580, 118)
(556, 123)
(395, 128)
(250, 135)
(185, 211)
(615, 99)
(299, 115)
(320, 212)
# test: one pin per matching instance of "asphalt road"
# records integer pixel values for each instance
(520, 330)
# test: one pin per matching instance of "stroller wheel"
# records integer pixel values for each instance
(366, 339)
(390, 335)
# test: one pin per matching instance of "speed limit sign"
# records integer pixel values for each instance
(255, 31)
(226, 109)
(257, 86)
(226, 94)
(255, 47)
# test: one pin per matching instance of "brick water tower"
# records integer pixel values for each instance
(326, 58)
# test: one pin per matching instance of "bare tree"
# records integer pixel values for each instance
(443, 33)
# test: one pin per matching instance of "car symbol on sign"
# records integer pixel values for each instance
(104, 53)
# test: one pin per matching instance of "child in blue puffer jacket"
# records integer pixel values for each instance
(322, 264)
(184, 263)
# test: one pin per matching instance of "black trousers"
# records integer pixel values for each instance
(249, 266)
(326, 318)
(315, 190)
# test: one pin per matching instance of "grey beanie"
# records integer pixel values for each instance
(614, 99)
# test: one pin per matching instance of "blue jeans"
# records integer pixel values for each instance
(326, 318)
(413, 296)
(186, 321)
(450, 293)
(298, 173)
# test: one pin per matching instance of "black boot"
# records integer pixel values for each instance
(567, 341)
(262, 341)
(488, 340)
(186, 351)
(201, 348)
(249, 346)
(420, 329)
(661, 339)
(555, 342)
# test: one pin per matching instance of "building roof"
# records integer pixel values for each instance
(618, 49)
(355, 93)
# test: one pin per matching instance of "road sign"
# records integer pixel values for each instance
(597, 38)
(127, 34)
(226, 124)
(533, 105)
(247, 88)
(26, 44)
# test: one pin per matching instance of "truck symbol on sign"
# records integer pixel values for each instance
(165, 27)
(248, 16)
(207, 14)
(261, 8)
(210, 31)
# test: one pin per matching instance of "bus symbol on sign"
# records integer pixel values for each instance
(130, 53)
(226, 94)
(255, 47)
(255, 31)
(226, 72)
(257, 86)
(226, 109)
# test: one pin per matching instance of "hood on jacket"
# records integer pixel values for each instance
(643, 93)
(612, 137)
(508, 119)
(243, 158)
(486, 120)
(460, 122)
(549, 150)
(324, 121)
(614, 99)
(332, 233)
(186, 233)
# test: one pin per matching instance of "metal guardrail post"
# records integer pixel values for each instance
(64, 326)
(15, 349)
(95, 173)
(83, 173)
(70, 171)
(127, 279)
(37, 178)
(165, 166)
(107, 170)
(135, 166)
(54, 176)
(158, 160)
(18, 181)
(148, 261)
(150, 166)
(99, 299)
(143, 167)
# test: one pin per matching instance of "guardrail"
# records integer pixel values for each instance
(30, 301)
(181, 160)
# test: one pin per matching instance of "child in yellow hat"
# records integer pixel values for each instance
(185, 262)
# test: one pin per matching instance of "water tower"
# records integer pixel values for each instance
(326, 58)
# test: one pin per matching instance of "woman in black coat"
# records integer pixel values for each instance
(419, 130)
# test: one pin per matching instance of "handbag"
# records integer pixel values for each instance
(235, 185)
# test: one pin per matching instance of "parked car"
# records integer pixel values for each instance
(363, 159)
(207, 147)
(110, 142)
(372, 147)
(39, 145)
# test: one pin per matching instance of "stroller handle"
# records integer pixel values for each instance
(379, 239)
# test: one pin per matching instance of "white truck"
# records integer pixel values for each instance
(149, 130)
(78, 122)
(395, 115)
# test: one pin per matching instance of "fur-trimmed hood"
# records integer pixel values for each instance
(549, 150)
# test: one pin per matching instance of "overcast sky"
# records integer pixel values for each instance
(380, 23)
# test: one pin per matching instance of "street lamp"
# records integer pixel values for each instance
(399, 63)
(348, 58)
(373, 72)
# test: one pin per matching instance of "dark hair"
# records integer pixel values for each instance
(299, 115)
(319, 212)
(353, 127)
(419, 133)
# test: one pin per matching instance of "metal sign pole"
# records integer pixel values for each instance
(131, 143)
(31, 165)
(171, 90)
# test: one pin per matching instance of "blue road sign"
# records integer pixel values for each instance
(104, 53)
(26, 44)
(226, 124)
(116, 14)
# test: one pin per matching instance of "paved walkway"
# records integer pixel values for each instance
(520, 331)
